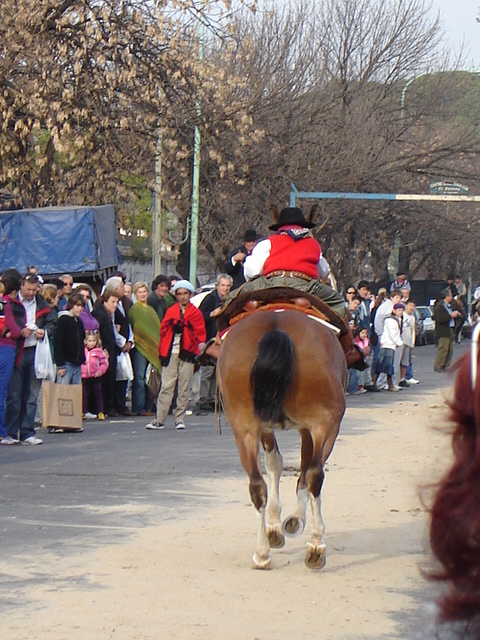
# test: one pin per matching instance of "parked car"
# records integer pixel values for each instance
(425, 326)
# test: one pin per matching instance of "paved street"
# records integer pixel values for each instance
(76, 485)
(49, 493)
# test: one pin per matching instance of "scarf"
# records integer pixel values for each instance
(146, 332)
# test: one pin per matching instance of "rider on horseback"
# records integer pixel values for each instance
(291, 257)
(291, 260)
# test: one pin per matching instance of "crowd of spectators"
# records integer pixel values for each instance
(383, 325)
(88, 334)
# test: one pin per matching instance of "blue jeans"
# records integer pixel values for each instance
(7, 360)
(73, 374)
(353, 380)
(22, 394)
(141, 396)
(409, 372)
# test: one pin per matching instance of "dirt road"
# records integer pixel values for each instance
(191, 577)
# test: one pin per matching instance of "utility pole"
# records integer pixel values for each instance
(157, 208)
(196, 173)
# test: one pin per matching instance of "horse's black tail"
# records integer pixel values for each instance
(271, 375)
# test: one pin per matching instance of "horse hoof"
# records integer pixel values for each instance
(293, 526)
(276, 539)
(261, 563)
(316, 556)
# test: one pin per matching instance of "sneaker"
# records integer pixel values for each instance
(403, 383)
(32, 440)
(357, 393)
(189, 412)
(9, 440)
(179, 425)
(156, 426)
(372, 388)
(394, 387)
(101, 416)
(412, 381)
(90, 416)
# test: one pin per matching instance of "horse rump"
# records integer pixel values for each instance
(271, 375)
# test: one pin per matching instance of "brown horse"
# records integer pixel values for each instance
(283, 370)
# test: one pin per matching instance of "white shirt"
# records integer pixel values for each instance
(120, 340)
(384, 310)
(408, 329)
(30, 307)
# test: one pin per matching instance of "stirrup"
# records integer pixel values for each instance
(356, 358)
(205, 359)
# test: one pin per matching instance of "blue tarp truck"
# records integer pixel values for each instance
(58, 240)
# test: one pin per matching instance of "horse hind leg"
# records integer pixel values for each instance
(248, 450)
(274, 468)
(258, 492)
(295, 524)
(316, 552)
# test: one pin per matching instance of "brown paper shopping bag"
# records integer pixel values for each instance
(62, 405)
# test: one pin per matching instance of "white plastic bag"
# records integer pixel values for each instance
(44, 369)
(124, 367)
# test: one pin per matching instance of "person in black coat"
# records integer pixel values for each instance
(208, 372)
(104, 312)
(68, 341)
(123, 337)
(235, 260)
(444, 330)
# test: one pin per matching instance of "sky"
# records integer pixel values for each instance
(459, 19)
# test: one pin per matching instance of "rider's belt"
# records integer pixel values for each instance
(289, 274)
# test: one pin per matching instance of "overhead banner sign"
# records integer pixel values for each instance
(448, 188)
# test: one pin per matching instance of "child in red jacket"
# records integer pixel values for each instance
(96, 364)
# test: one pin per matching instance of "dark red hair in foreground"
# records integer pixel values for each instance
(455, 513)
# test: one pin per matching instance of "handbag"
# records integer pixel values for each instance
(124, 367)
(43, 363)
(153, 380)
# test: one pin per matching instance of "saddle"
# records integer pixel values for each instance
(250, 302)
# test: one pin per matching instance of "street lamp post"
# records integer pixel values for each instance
(157, 208)
(196, 175)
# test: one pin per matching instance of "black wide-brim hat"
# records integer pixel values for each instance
(291, 215)
(251, 235)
